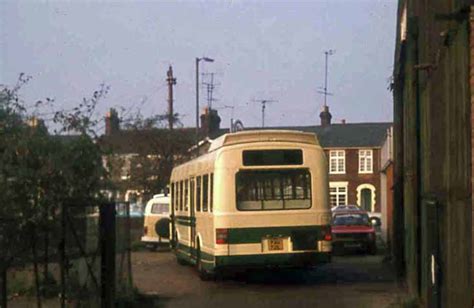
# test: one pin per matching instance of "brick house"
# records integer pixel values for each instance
(140, 159)
(354, 154)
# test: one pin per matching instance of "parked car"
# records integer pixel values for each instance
(351, 229)
(375, 218)
(156, 222)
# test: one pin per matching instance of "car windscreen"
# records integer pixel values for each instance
(159, 208)
(259, 190)
(353, 219)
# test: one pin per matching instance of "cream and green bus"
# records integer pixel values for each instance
(255, 199)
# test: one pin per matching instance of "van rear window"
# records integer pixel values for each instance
(159, 208)
(272, 157)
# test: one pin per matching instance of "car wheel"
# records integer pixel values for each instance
(372, 249)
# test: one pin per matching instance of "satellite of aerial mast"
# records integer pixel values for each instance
(264, 103)
(324, 91)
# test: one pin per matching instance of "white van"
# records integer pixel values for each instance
(156, 222)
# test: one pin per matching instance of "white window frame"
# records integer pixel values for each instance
(337, 162)
(341, 188)
(359, 195)
(366, 161)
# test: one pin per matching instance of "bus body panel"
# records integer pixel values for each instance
(301, 232)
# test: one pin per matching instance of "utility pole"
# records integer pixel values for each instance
(171, 82)
(264, 103)
(325, 92)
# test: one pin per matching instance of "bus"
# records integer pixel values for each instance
(255, 199)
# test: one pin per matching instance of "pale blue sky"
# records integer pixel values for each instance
(262, 50)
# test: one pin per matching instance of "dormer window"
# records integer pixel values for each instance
(337, 162)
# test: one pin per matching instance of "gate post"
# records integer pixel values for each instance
(107, 246)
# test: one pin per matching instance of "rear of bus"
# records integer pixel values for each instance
(273, 205)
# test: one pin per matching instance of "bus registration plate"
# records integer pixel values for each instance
(275, 244)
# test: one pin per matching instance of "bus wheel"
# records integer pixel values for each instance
(180, 261)
(203, 274)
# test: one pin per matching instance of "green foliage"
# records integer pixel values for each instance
(39, 172)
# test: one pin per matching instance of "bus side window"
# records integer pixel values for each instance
(205, 192)
(176, 196)
(186, 190)
(198, 194)
(181, 194)
(211, 194)
(191, 195)
(172, 197)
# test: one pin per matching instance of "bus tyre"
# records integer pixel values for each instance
(180, 261)
(203, 274)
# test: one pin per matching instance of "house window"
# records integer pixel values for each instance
(338, 193)
(337, 162)
(365, 161)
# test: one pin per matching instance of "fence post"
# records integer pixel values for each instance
(3, 286)
(62, 255)
(107, 245)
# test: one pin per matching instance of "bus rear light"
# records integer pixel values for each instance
(145, 230)
(221, 236)
(328, 237)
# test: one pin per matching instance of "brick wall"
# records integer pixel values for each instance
(355, 179)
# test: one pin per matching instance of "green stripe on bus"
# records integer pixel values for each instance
(185, 223)
(255, 235)
(280, 259)
(188, 218)
(186, 251)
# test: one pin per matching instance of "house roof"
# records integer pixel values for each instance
(344, 135)
(333, 136)
(148, 141)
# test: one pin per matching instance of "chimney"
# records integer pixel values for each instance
(112, 123)
(325, 116)
(210, 122)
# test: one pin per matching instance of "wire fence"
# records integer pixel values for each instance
(81, 257)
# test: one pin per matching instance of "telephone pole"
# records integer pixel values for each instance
(171, 82)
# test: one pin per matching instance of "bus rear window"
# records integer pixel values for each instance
(272, 157)
(259, 190)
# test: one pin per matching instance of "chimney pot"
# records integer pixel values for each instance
(325, 116)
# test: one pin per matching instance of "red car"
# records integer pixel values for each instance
(353, 230)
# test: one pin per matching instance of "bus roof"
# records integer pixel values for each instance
(250, 136)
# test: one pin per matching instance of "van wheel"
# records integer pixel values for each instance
(203, 274)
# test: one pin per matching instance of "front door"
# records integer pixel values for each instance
(366, 199)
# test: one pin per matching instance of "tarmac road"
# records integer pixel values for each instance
(349, 281)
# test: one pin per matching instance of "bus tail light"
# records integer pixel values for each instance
(328, 236)
(221, 236)
(145, 230)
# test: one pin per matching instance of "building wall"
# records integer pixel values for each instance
(433, 130)
(355, 178)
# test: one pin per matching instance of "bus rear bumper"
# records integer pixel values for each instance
(304, 259)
